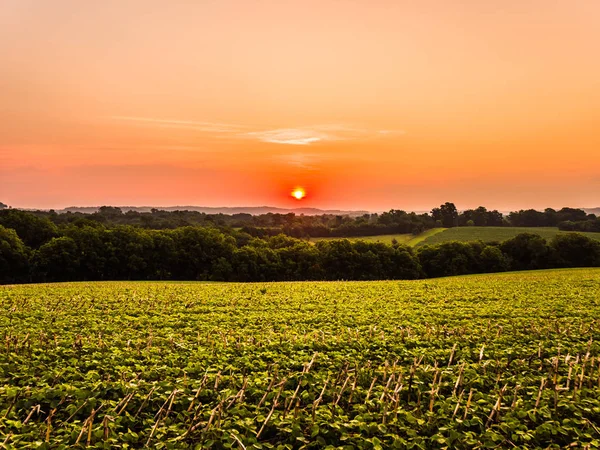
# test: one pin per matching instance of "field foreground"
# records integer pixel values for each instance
(508, 360)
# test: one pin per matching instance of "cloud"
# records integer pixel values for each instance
(210, 127)
(286, 136)
(341, 128)
(388, 132)
(307, 161)
(291, 136)
(313, 161)
(318, 133)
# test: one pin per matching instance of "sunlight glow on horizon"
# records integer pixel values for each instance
(298, 193)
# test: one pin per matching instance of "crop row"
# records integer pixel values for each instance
(502, 361)
(455, 403)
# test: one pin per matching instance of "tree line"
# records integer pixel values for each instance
(303, 226)
(42, 252)
(589, 225)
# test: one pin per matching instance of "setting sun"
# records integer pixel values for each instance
(298, 193)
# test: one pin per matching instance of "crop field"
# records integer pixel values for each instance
(488, 234)
(415, 241)
(406, 239)
(487, 361)
(384, 238)
(462, 234)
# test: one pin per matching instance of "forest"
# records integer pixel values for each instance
(109, 245)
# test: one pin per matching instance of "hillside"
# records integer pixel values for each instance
(463, 234)
(450, 362)
(254, 210)
(406, 239)
(383, 238)
(489, 234)
(592, 211)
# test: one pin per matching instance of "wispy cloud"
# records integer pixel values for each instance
(318, 133)
(315, 161)
(209, 127)
(291, 136)
(388, 132)
(305, 135)
(306, 161)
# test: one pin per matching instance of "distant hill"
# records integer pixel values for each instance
(592, 210)
(254, 210)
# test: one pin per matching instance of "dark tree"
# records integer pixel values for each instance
(575, 250)
(75, 246)
(13, 257)
(527, 251)
(33, 231)
(447, 214)
(492, 259)
(57, 260)
(450, 258)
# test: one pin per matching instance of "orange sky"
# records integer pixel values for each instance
(367, 104)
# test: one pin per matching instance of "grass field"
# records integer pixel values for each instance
(488, 234)
(407, 239)
(463, 234)
(478, 361)
(416, 240)
(385, 238)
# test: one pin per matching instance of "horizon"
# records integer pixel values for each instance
(365, 105)
(292, 208)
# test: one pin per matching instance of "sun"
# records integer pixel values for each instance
(298, 193)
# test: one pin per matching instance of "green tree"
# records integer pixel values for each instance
(14, 257)
(405, 264)
(492, 259)
(447, 214)
(196, 248)
(91, 249)
(33, 231)
(527, 251)
(450, 258)
(163, 255)
(575, 250)
(129, 253)
(57, 260)
(256, 262)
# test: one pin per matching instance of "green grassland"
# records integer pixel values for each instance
(416, 240)
(384, 238)
(463, 234)
(489, 234)
(497, 361)
(407, 239)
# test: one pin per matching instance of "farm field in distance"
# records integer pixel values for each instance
(406, 239)
(497, 361)
(489, 234)
(384, 238)
(425, 235)
(462, 234)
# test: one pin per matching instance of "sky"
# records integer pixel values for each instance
(367, 104)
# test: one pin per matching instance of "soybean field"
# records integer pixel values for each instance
(488, 361)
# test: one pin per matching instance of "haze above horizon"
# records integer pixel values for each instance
(367, 105)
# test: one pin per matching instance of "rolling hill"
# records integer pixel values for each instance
(489, 234)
